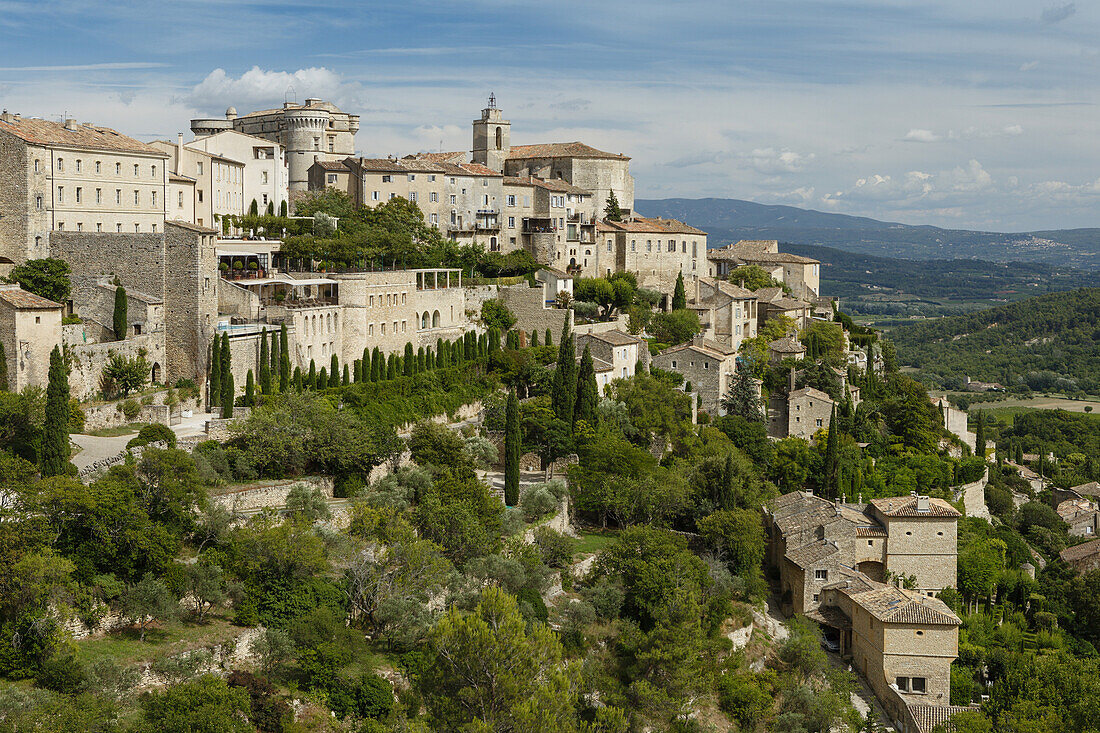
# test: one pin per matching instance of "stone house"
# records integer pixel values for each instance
(801, 413)
(656, 250)
(1082, 558)
(619, 350)
(30, 328)
(788, 347)
(811, 540)
(265, 171)
(73, 177)
(710, 367)
(180, 202)
(219, 181)
(556, 282)
(1081, 516)
(310, 132)
(800, 274)
(727, 312)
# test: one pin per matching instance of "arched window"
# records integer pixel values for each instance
(424, 320)
(500, 139)
(435, 319)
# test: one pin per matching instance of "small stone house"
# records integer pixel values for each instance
(619, 350)
(1082, 558)
(30, 328)
(708, 365)
(787, 347)
(555, 282)
(800, 414)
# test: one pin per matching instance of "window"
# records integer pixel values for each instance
(454, 199)
(433, 197)
(136, 174)
(118, 228)
(412, 176)
(60, 164)
(817, 597)
(434, 219)
(154, 198)
(648, 245)
(98, 227)
(919, 685)
(60, 226)
(38, 202)
(332, 178)
(511, 222)
(633, 246)
(137, 195)
(485, 200)
(673, 363)
(387, 179)
(36, 165)
(99, 195)
(412, 196)
(79, 194)
(137, 228)
(199, 164)
(511, 200)
(154, 229)
(60, 194)
(200, 198)
(153, 171)
(78, 165)
(118, 169)
(818, 421)
(821, 574)
(373, 195)
(97, 166)
(80, 226)
(452, 181)
(179, 199)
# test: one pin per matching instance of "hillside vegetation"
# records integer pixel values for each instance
(1051, 343)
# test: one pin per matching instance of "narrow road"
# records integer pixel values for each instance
(94, 449)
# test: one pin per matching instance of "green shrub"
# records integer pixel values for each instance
(152, 434)
(130, 408)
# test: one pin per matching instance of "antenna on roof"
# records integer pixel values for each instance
(290, 94)
(492, 101)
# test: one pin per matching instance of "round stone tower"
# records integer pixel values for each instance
(304, 138)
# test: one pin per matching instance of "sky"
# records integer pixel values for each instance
(979, 114)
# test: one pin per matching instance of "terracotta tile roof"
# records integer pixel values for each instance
(812, 553)
(781, 258)
(870, 531)
(615, 338)
(1092, 488)
(789, 304)
(721, 254)
(560, 274)
(678, 227)
(19, 298)
(830, 616)
(928, 717)
(381, 165)
(899, 606)
(734, 290)
(638, 225)
(906, 506)
(177, 178)
(561, 150)
(90, 137)
(817, 394)
(787, 345)
(755, 247)
(703, 346)
(550, 184)
(517, 181)
(479, 170)
(1080, 552)
(456, 156)
(332, 165)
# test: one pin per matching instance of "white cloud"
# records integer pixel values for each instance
(1029, 66)
(971, 177)
(771, 160)
(260, 87)
(918, 135)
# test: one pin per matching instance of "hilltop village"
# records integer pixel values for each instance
(462, 363)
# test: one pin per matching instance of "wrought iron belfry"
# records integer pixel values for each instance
(492, 101)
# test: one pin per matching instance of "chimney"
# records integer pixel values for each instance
(6, 116)
(792, 379)
(70, 123)
(923, 505)
(179, 153)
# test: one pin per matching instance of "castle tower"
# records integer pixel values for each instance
(492, 137)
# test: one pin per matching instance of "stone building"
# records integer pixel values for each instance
(73, 177)
(727, 312)
(30, 328)
(1081, 516)
(310, 132)
(709, 365)
(954, 419)
(181, 200)
(219, 181)
(800, 413)
(901, 641)
(811, 540)
(656, 250)
(265, 177)
(1082, 558)
(788, 347)
(620, 351)
(801, 275)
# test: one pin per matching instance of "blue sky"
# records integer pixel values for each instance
(979, 114)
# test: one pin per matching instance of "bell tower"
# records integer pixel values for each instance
(492, 137)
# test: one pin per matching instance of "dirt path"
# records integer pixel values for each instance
(93, 449)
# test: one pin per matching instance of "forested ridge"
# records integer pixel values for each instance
(1051, 342)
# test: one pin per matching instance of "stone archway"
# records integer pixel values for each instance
(154, 373)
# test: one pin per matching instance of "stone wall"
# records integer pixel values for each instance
(234, 300)
(15, 198)
(529, 307)
(110, 415)
(28, 336)
(618, 324)
(88, 361)
(272, 494)
(191, 297)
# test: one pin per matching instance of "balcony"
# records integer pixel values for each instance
(538, 226)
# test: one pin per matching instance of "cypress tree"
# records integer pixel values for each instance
(409, 360)
(679, 297)
(512, 440)
(831, 459)
(55, 429)
(334, 372)
(227, 373)
(391, 367)
(421, 360)
(357, 374)
(429, 359)
(563, 391)
(120, 318)
(471, 346)
(3, 369)
(322, 379)
(273, 366)
(441, 355)
(376, 365)
(587, 391)
(979, 435)
(227, 396)
(366, 364)
(311, 378)
(549, 341)
(249, 390)
(215, 390)
(297, 380)
(534, 339)
(345, 380)
(265, 365)
(284, 360)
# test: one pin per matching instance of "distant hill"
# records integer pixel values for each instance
(728, 220)
(1051, 342)
(888, 286)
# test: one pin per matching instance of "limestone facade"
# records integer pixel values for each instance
(73, 177)
(801, 274)
(709, 365)
(310, 132)
(265, 177)
(219, 181)
(619, 351)
(30, 328)
(801, 413)
(727, 312)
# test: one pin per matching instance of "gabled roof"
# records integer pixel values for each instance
(91, 137)
(893, 605)
(812, 553)
(550, 184)
(788, 304)
(332, 165)
(927, 717)
(781, 258)
(561, 150)
(678, 227)
(16, 297)
(450, 157)
(615, 338)
(197, 228)
(906, 506)
(817, 394)
(1080, 552)
(787, 345)
(706, 347)
(178, 178)
(1092, 488)
(767, 295)
(637, 224)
